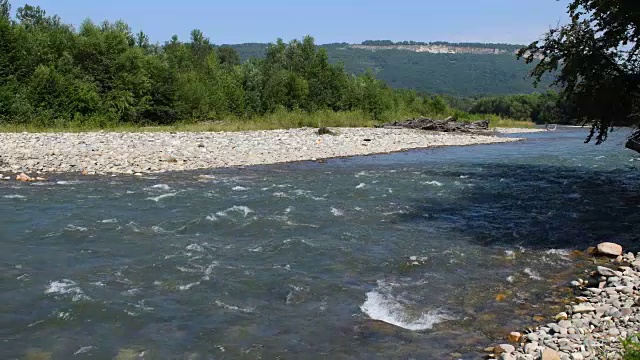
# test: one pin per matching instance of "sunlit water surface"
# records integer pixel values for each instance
(427, 254)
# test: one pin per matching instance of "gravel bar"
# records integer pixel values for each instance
(155, 152)
(606, 311)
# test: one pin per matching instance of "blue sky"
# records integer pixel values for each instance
(507, 21)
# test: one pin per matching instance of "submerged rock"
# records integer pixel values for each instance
(37, 354)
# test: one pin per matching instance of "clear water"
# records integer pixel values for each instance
(427, 254)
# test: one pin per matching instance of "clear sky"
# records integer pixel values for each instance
(239, 21)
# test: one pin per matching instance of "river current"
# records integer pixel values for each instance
(428, 254)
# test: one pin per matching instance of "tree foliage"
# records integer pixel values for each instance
(103, 73)
(597, 60)
(544, 108)
(460, 75)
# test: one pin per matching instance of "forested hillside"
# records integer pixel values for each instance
(452, 74)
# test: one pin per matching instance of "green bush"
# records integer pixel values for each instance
(632, 348)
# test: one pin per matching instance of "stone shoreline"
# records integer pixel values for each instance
(155, 152)
(605, 311)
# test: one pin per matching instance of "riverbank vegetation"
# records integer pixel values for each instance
(632, 348)
(103, 76)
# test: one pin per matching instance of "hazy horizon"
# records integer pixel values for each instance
(491, 21)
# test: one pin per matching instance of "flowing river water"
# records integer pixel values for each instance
(430, 254)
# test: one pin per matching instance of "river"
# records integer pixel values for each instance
(429, 254)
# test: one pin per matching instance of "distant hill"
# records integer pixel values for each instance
(466, 69)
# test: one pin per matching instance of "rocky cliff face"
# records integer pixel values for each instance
(435, 49)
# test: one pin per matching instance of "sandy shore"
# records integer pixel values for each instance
(149, 152)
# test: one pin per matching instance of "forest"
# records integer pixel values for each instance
(460, 75)
(101, 74)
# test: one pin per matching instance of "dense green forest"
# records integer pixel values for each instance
(102, 73)
(459, 75)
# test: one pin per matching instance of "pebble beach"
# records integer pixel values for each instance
(99, 153)
(604, 312)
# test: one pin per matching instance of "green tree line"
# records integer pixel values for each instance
(541, 108)
(104, 73)
(53, 74)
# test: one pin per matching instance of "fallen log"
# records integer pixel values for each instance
(446, 125)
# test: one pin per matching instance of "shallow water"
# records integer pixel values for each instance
(448, 248)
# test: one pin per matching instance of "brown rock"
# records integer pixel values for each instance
(515, 337)
(562, 316)
(549, 354)
(24, 177)
(609, 249)
(591, 250)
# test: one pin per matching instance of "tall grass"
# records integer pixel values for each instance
(278, 120)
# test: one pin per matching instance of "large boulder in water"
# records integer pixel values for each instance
(609, 249)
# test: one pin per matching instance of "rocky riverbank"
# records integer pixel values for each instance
(155, 152)
(605, 311)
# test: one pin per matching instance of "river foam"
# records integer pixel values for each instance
(381, 305)
(66, 287)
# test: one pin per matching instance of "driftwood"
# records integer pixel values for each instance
(446, 125)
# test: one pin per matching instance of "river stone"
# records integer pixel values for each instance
(604, 271)
(609, 249)
(505, 356)
(627, 290)
(583, 308)
(564, 324)
(533, 337)
(530, 348)
(504, 348)
(549, 354)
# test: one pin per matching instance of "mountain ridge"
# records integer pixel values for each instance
(456, 69)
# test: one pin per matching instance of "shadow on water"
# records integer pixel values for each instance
(538, 206)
